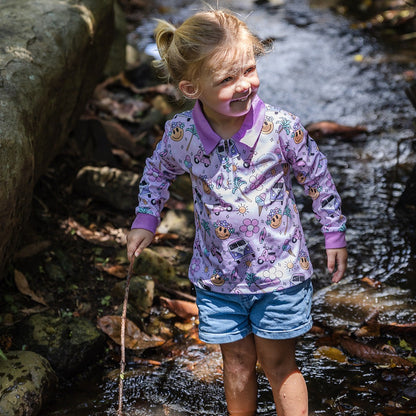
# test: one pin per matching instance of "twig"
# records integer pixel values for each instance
(123, 337)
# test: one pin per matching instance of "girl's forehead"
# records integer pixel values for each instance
(232, 58)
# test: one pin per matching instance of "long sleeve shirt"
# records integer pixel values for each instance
(248, 238)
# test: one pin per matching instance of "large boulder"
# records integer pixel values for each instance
(52, 55)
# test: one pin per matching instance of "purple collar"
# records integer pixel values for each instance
(247, 135)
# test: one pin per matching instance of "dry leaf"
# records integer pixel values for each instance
(329, 128)
(371, 282)
(331, 353)
(182, 308)
(116, 270)
(32, 249)
(24, 288)
(134, 339)
(373, 355)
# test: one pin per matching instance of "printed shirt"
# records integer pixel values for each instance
(248, 238)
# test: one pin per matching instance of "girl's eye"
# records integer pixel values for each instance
(225, 80)
(251, 69)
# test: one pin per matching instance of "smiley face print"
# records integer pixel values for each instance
(298, 136)
(313, 193)
(217, 279)
(177, 132)
(223, 230)
(304, 261)
(267, 125)
(274, 218)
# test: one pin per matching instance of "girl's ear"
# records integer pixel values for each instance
(188, 89)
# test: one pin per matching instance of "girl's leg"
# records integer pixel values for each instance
(240, 380)
(277, 358)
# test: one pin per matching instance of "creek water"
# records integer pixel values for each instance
(320, 69)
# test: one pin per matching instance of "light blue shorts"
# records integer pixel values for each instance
(282, 314)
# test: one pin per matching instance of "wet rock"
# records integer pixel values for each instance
(152, 264)
(141, 292)
(69, 344)
(113, 186)
(350, 303)
(26, 382)
(407, 201)
(179, 222)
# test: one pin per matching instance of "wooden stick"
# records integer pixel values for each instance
(123, 338)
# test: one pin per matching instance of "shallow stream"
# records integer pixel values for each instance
(319, 69)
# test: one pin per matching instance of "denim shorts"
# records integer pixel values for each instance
(281, 314)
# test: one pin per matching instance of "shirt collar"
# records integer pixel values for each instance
(247, 135)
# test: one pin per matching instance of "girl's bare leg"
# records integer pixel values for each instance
(240, 380)
(277, 358)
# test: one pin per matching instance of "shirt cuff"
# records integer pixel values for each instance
(145, 221)
(335, 240)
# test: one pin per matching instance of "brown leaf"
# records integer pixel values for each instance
(32, 249)
(367, 353)
(331, 353)
(116, 270)
(120, 137)
(182, 308)
(92, 236)
(24, 288)
(134, 339)
(330, 128)
(371, 282)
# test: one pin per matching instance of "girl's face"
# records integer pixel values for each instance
(229, 85)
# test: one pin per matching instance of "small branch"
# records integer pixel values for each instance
(123, 338)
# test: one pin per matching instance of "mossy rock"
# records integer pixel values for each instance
(26, 382)
(69, 344)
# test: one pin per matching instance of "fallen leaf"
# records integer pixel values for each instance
(23, 286)
(32, 249)
(116, 270)
(371, 282)
(181, 308)
(371, 354)
(135, 339)
(330, 128)
(331, 353)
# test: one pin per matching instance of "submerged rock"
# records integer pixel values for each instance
(351, 302)
(26, 382)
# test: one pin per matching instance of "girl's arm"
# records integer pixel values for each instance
(311, 171)
(159, 172)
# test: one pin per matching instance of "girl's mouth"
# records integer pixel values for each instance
(243, 99)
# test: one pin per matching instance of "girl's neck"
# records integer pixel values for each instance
(225, 127)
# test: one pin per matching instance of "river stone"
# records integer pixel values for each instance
(179, 222)
(26, 382)
(52, 55)
(141, 292)
(350, 302)
(151, 263)
(112, 186)
(69, 344)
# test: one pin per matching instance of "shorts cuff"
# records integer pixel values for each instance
(283, 334)
(211, 338)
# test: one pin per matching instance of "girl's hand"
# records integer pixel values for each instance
(337, 262)
(137, 240)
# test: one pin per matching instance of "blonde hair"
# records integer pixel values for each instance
(185, 49)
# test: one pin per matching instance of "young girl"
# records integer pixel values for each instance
(250, 265)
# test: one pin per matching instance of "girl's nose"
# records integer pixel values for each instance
(243, 85)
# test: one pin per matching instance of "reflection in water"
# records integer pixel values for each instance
(312, 73)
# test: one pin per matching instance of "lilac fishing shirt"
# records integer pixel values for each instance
(249, 238)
